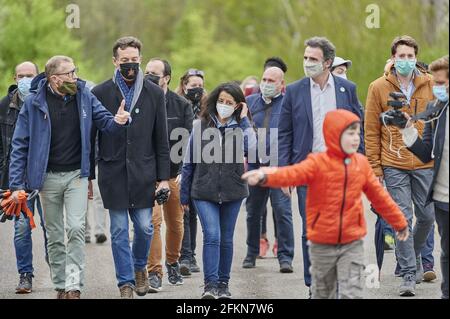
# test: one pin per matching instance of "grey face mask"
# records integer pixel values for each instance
(313, 69)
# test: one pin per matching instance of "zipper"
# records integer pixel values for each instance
(220, 189)
(343, 203)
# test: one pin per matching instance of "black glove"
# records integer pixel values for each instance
(162, 196)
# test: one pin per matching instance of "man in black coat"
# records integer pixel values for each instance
(131, 163)
(180, 117)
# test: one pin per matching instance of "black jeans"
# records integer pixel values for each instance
(190, 234)
(442, 222)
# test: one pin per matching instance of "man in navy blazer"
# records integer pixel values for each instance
(304, 107)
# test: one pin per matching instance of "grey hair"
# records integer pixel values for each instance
(328, 48)
(52, 65)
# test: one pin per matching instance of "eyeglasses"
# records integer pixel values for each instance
(70, 74)
(194, 72)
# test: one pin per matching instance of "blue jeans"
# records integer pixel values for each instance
(281, 204)
(301, 193)
(218, 222)
(427, 250)
(407, 187)
(127, 260)
(23, 243)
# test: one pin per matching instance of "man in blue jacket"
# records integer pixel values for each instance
(265, 108)
(50, 153)
(305, 105)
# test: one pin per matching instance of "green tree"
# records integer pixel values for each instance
(33, 31)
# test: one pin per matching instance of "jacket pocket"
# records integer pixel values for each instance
(315, 221)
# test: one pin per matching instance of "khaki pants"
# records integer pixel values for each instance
(337, 269)
(67, 261)
(173, 216)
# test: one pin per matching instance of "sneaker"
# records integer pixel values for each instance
(126, 292)
(428, 273)
(309, 296)
(100, 238)
(398, 271)
(60, 294)
(263, 247)
(210, 291)
(286, 268)
(185, 266)
(408, 286)
(389, 242)
(25, 285)
(174, 274)
(73, 294)
(141, 282)
(194, 266)
(249, 262)
(154, 283)
(419, 270)
(222, 291)
(87, 239)
(275, 249)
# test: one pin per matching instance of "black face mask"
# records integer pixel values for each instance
(129, 71)
(195, 95)
(153, 78)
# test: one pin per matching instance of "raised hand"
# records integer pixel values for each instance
(122, 116)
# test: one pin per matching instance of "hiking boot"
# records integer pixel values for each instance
(249, 262)
(210, 291)
(419, 270)
(185, 266)
(60, 294)
(142, 286)
(389, 242)
(25, 284)
(408, 286)
(154, 283)
(263, 247)
(286, 268)
(73, 294)
(126, 292)
(174, 274)
(223, 292)
(100, 238)
(428, 273)
(194, 266)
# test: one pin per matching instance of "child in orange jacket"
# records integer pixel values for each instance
(336, 225)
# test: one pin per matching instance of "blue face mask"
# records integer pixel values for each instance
(405, 67)
(24, 86)
(440, 92)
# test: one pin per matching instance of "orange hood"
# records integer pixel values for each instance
(334, 125)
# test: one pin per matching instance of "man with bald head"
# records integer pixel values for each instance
(265, 108)
(10, 107)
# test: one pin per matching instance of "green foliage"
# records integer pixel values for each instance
(33, 31)
(228, 39)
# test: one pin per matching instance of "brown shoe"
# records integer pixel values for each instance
(142, 285)
(126, 292)
(73, 294)
(61, 294)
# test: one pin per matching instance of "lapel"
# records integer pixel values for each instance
(342, 100)
(440, 137)
(305, 92)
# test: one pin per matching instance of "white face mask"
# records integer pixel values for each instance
(313, 69)
(224, 111)
(343, 75)
(268, 90)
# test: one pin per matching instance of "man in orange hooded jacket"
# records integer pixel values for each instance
(335, 216)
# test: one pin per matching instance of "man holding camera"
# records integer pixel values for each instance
(131, 163)
(407, 178)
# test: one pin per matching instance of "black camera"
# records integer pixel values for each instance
(395, 117)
